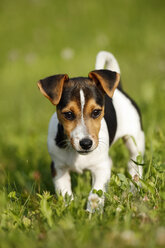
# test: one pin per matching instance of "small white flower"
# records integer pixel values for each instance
(119, 209)
(136, 178)
(145, 198)
(95, 202)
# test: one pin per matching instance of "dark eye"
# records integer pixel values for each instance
(69, 115)
(96, 113)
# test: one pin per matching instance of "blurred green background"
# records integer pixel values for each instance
(39, 38)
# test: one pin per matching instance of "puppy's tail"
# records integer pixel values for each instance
(106, 60)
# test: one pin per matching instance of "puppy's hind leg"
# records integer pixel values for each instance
(136, 146)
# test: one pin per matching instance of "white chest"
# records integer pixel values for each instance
(69, 157)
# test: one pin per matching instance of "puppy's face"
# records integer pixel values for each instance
(80, 105)
(80, 111)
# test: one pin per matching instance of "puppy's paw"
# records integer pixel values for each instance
(95, 203)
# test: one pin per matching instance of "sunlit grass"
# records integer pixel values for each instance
(40, 38)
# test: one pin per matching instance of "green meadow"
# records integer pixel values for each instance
(39, 38)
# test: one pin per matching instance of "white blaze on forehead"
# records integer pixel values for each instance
(80, 130)
(82, 102)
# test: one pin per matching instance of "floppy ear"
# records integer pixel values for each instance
(51, 87)
(109, 80)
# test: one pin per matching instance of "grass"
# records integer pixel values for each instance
(40, 38)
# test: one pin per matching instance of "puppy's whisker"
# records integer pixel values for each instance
(102, 142)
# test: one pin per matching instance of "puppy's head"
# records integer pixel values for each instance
(80, 104)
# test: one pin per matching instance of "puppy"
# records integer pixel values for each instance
(91, 114)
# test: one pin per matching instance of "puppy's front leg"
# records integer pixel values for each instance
(62, 182)
(100, 178)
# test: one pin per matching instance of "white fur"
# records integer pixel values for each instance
(97, 161)
(82, 102)
(80, 132)
(128, 119)
(129, 128)
(68, 159)
(106, 59)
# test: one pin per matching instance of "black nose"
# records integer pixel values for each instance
(86, 143)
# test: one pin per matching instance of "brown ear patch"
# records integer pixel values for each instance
(109, 80)
(51, 87)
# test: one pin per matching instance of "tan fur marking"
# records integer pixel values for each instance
(72, 106)
(91, 105)
(69, 125)
(93, 125)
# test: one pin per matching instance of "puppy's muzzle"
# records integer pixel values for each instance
(86, 144)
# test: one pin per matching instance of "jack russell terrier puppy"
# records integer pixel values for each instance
(91, 114)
